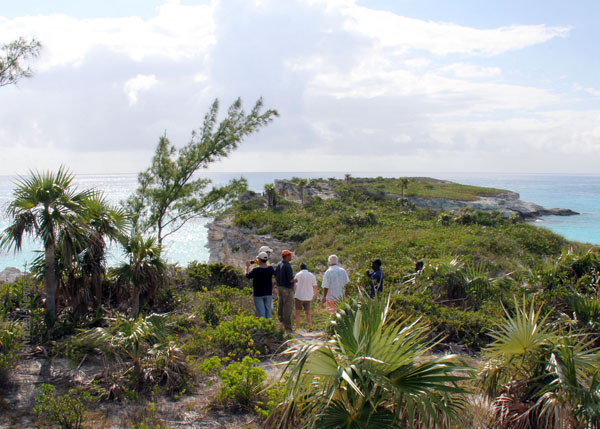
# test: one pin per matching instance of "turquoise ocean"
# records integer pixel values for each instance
(580, 193)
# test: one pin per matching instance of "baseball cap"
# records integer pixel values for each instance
(262, 256)
(286, 252)
(265, 249)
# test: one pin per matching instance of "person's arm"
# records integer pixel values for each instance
(315, 292)
(325, 290)
(290, 274)
(347, 280)
(246, 269)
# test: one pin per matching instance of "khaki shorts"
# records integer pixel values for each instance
(302, 304)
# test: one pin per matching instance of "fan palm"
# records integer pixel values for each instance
(128, 338)
(374, 372)
(47, 206)
(145, 270)
(538, 375)
(105, 222)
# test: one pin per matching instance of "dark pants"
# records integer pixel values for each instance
(285, 307)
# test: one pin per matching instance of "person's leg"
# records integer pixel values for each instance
(297, 308)
(259, 304)
(308, 317)
(268, 302)
(287, 307)
(280, 301)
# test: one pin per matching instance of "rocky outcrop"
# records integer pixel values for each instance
(507, 203)
(10, 274)
(293, 192)
(232, 245)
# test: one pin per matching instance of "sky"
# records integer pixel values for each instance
(360, 85)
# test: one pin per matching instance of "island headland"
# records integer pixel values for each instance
(233, 245)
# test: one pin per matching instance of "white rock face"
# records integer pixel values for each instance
(234, 246)
(10, 274)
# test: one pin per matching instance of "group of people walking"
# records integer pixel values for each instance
(297, 292)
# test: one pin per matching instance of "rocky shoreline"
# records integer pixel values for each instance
(232, 245)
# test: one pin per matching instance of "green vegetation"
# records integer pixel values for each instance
(11, 340)
(168, 196)
(12, 57)
(424, 187)
(156, 331)
(538, 374)
(69, 222)
(374, 372)
(65, 410)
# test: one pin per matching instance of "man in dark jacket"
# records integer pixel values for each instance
(285, 288)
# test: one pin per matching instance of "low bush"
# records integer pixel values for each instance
(201, 276)
(66, 410)
(247, 335)
(241, 383)
(11, 340)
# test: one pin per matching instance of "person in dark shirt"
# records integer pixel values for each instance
(285, 288)
(375, 278)
(262, 285)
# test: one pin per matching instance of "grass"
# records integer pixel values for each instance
(426, 188)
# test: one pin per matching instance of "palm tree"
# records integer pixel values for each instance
(373, 372)
(145, 270)
(537, 376)
(47, 206)
(131, 338)
(105, 222)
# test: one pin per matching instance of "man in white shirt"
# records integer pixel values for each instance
(334, 280)
(305, 291)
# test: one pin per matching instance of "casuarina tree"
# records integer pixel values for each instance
(168, 194)
(12, 56)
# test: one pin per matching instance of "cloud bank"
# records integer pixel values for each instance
(357, 89)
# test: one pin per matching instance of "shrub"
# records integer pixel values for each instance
(65, 410)
(240, 383)
(11, 339)
(359, 219)
(211, 276)
(224, 303)
(148, 419)
(247, 335)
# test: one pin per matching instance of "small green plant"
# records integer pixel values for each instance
(240, 383)
(269, 399)
(66, 410)
(148, 419)
(247, 335)
(11, 339)
(209, 365)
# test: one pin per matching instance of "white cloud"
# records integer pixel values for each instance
(357, 89)
(404, 34)
(464, 70)
(136, 84)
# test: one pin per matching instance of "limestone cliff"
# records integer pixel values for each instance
(232, 245)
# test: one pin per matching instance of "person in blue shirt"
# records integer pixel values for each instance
(375, 278)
